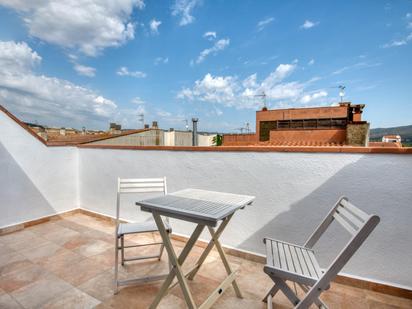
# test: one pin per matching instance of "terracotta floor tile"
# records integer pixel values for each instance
(73, 225)
(93, 247)
(29, 243)
(41, 252)
(7, 302)
(389, 300)
(72, 298)
(105, 259)
(62, 235)
(79, 272)
(76, 242)
(44, 228)
(100, 287)
(61, 258)
(18, 279)
(137, 297)
(13, 262)
(39, 292)
(16, 237)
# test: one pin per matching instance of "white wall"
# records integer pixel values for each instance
(294, 191)
(36, 180)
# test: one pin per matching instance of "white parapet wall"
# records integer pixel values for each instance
(35, 180)
(294, 191)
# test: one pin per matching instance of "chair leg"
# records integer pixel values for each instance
(293, 298)
(122, 248)
(272, 292)
(116, 266)
(162, 246)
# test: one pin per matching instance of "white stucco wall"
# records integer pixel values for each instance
(294, 191)
(35, 180)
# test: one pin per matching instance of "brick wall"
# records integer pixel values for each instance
(239, 139)
(337, 136)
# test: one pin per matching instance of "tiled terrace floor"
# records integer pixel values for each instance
(68, 263)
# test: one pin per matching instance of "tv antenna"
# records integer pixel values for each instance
(247, 127)
(341, 91)
(140, 118)
(263, 96)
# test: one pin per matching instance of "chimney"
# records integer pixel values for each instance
(146, 126)
(194, 133)
(83, 130)
(154, 125)
(63, 131)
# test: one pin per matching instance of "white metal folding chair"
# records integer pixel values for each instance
(128, 186)
(285, 261)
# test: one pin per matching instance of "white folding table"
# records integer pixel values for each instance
(206, 209)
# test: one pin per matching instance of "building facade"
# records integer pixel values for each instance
(332, 125)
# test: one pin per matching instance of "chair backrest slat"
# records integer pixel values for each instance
(144, 185)
(141, 190)
(141, 180)
(350, 217)
(344, 223)
(138, 185)
(355, 210)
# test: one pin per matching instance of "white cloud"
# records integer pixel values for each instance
(359, 65)
(213, 89)
(311, 62)
(183, 9)
(218, 46)
(85, 70)
(49, 100)
(124, 71)
(241, 94)
(154, 26)
(310, 97)
(397, 43)
(138, 101)
(264, 22)
(402, 41)
(308, 24)
(89, 26)
(210, 35)
(17, 57)
(160, 60)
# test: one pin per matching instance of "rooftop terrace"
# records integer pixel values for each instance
(68, 263)
(44, 261)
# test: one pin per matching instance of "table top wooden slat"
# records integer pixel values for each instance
(195, 205)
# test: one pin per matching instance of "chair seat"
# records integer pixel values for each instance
(140, 227)
(289, 261)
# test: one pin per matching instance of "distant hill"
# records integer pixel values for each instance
(405, 132)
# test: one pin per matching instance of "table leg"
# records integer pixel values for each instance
(176, 262)
(224, 260)
(209, 248)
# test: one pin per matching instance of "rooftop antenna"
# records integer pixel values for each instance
(247, 127)
(240, 129)
(341, 92)
(140, 118)
(263, 96)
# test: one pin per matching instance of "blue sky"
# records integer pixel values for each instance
(87, 63)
